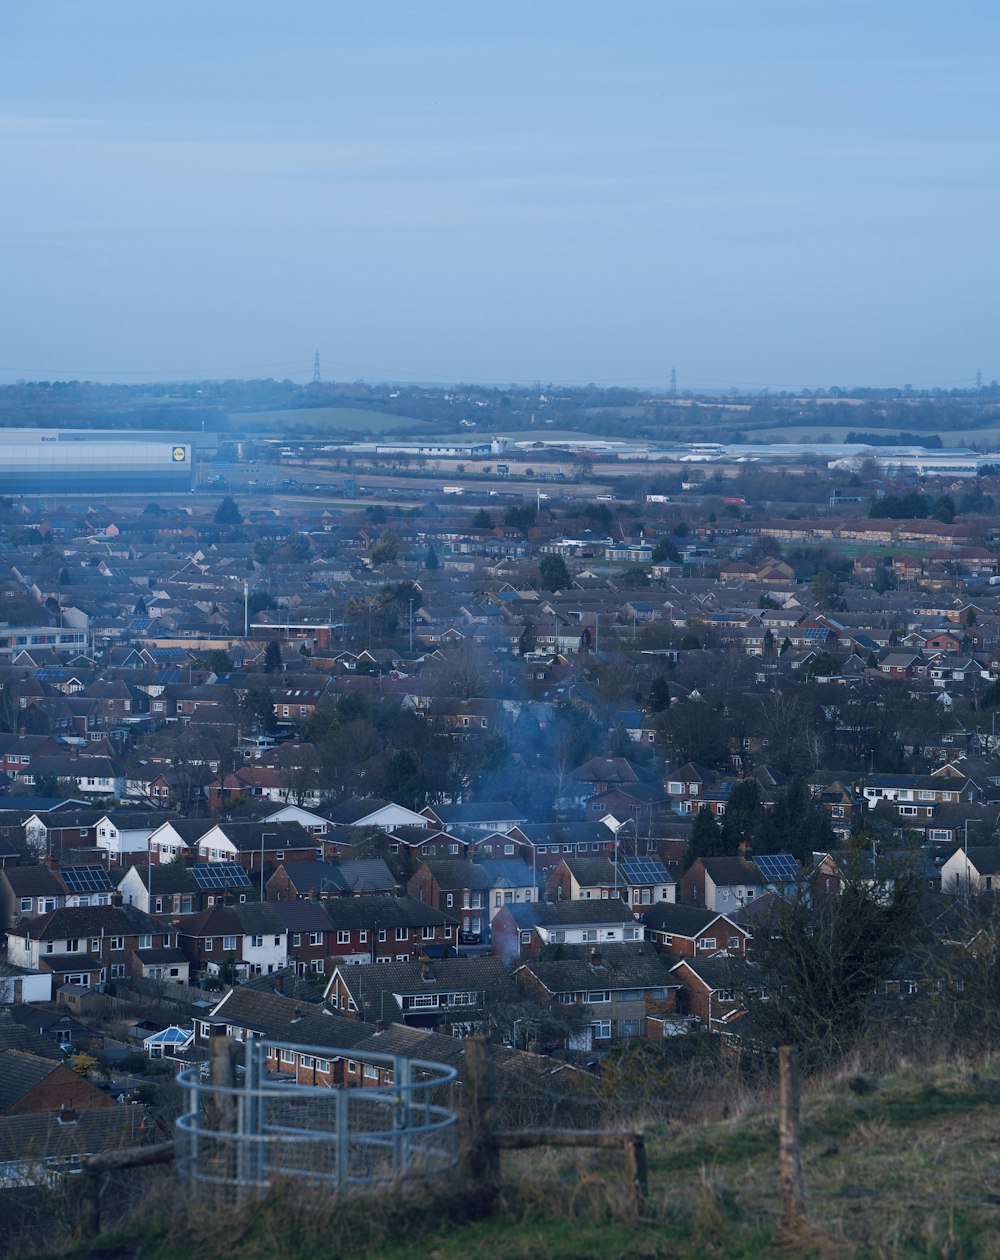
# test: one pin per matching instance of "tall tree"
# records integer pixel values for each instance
(553, 575)
(228, 512)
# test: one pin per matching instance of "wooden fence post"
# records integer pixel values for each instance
(635, 1170)
(789, 1138)
(480, 1154)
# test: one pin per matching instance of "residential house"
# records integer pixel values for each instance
(362, 877)
(382, 929)
(708, 993)
(88, 945)
(460, 888)
(693, 932)
(449, 995)
(523, 930)
(603, 995)
(721, 883)
(250, 938)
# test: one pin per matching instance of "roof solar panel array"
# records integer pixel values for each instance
(644, 870)
(220, 875)
(83, 879)
(777, 867)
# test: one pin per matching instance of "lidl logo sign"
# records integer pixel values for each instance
(179, 454)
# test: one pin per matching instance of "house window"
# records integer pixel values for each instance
(598, 995)
(602, 1030)
(322, 1065)
(72, 947)
(733, 942)
(402, 934)
(317, 966)
(296, 940)
(908, 811)
(315, 938)
(381, 934)
(427, 933)
(363, 936)
(525, 938)
(25, 905)
(508, 850)
(288, 1056)
(117, 971)
(209, 944)
(229, 942)
(724, 995)
(707, 942)
(257, 942)
(343, 938)
(146, 941)
(630, 1027)
(630, 934)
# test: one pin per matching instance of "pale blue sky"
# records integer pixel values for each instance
(767, 193)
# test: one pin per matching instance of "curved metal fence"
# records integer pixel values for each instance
(236, 1142)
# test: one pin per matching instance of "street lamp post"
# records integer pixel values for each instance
(263, 836)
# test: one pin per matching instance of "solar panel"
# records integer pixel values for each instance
(777, 867)
(644, 870)
(220, 875)
(80, 879)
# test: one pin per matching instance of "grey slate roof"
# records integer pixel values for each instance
(678, 920)
(615, 971)
(388, 912)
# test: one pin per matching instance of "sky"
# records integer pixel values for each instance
(777, 194)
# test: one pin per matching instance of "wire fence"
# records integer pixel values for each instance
(235, 1141)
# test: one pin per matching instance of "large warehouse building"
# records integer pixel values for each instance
(45, 462)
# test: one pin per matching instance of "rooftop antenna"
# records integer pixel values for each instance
(316, 376)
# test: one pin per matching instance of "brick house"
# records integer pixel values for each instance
(386, 929)
(87, 945)
(310, 934)
(450, 994)
(250, 936)
(30, 1084)
(460, 888)
(362, 877)
(610, 992)
(721, 883)
(523, 930)
(708, 993)
(693, 932)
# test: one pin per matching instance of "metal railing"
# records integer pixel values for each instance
(236, 1140)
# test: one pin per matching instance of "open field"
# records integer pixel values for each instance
(320, 419)
(903, 1166)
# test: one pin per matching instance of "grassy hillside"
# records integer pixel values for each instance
(900, 1167)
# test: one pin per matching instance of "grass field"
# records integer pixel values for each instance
(903, 1166)
(320, 419)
